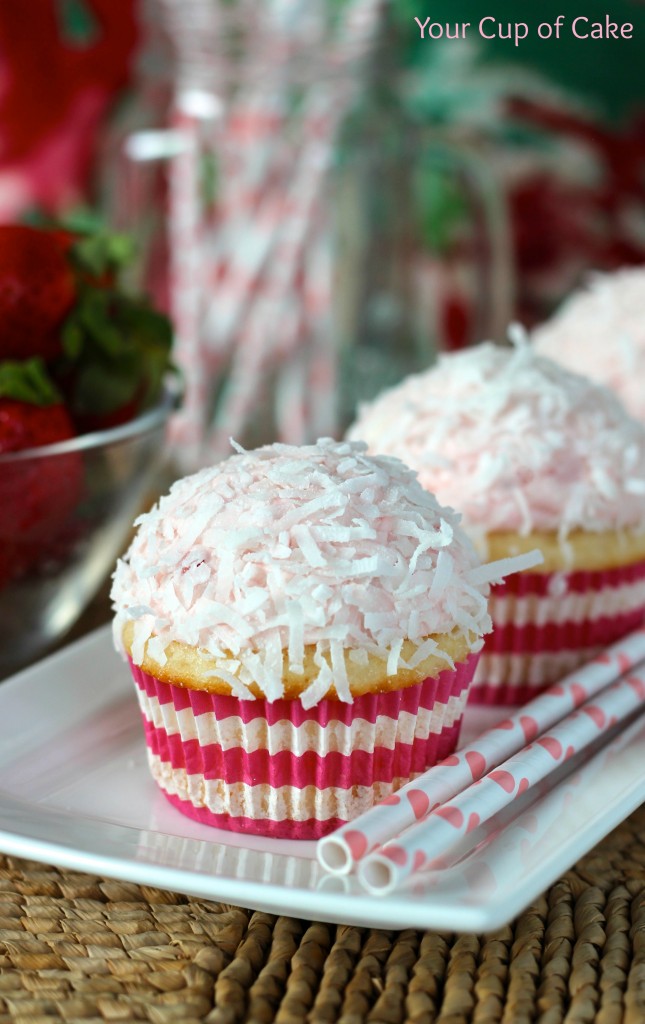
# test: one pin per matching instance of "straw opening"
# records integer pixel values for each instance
(377, 875)
(334, 855)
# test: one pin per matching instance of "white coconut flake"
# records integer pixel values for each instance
(393, 657)
(422, 546)
(425, 650)
(273, 685)
(135, 611)
(318, 688)
(467, 623)
(296, 647)
(442, 574)
(444, 534)
(358, 655)
(142, 632)
(413, 623)
(605, 483)
(302, 512)
(308, 546)
(156, 650)
(526, 520)
(494, 572)
(339, 671)
(238, 689)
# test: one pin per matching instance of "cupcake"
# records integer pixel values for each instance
(302, 626)
(601, 330)
(533, 455)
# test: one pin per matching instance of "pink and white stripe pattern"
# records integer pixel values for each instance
(277, 769)
(547, 624)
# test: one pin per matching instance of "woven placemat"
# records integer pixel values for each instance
(78, 948)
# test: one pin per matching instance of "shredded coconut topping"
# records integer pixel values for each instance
(283, 547)
(515, 441)
(601, 329)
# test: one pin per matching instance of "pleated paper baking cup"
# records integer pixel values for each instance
(276, 769)
(547, 624)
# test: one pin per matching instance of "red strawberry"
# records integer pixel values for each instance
(89, 422)
(116, 346)
(37, 291)
(39, 493)
(24, 425)
(62, 300)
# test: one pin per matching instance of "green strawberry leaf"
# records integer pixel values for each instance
(94, 317)
(28, 381)
(117, 351)
(102, 253)
(102, 387)
(72, 339)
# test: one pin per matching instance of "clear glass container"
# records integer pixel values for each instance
(322, 242)
(66, 512)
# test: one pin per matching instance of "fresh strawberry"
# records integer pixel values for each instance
(37, 292)
(23, 425)
(62, 300)
(39, 493)
(87, 423)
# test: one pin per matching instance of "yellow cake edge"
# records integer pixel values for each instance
(195, 669)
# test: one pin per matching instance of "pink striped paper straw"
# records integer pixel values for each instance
(257, 341)
(343, 849)
(426, 844)
(518, 839)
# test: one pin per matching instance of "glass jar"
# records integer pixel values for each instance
(321, 243)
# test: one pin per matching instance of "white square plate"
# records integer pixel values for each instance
(75, 791)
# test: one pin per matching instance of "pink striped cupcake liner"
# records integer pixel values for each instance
(276, 769)
(547, 624)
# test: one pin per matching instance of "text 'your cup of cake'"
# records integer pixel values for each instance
(533, 456)
(303, 625)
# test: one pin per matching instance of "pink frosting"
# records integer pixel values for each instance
(601, 330)
(285, 547)
(515, 441)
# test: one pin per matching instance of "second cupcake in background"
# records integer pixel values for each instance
(533, 455)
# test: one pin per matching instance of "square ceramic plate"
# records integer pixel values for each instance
(75, 791)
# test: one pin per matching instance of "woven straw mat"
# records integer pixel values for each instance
(76, 948)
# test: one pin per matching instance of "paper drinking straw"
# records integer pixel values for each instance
(425, 844)
(259, 336)
(516, 840)
(343, 849)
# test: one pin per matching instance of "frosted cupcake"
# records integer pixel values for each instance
(533, 456)
(302, 625)
(601, 330)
